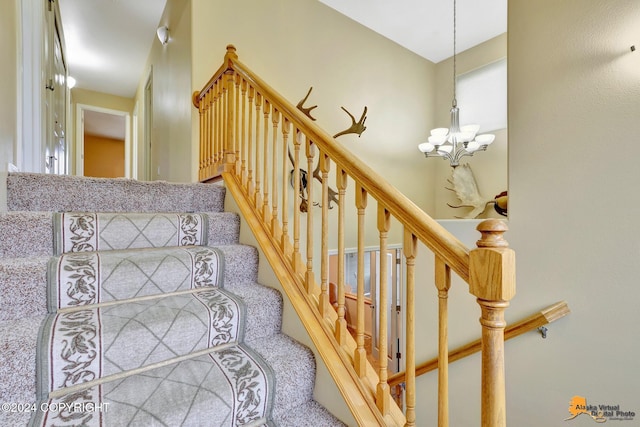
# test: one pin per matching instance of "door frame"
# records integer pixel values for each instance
(80, 109)
(395, 324)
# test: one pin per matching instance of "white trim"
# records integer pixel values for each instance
(134, 143)
(17, 146)
(79, 146)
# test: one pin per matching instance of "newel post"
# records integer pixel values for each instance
(492, 281)
(229, 115)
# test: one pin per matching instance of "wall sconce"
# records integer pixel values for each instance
(163, 34)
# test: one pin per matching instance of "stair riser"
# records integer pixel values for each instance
(56, 193)
(24, 234)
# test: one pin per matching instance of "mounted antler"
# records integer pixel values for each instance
(356, 128)
(306, 111)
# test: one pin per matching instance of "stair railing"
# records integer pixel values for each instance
(246, 131)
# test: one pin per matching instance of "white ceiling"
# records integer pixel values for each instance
(426, 26)
(108, 42)
(104, 124)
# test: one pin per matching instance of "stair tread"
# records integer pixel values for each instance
(58, 193)
(83, 278)
(225, 387)
(123, 336)
(93, 231)
(175, 379)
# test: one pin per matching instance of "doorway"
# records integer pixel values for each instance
(102, 142)
(372, 263)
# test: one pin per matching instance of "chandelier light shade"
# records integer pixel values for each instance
(457, 141)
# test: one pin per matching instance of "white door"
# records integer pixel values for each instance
(393, 310)
(55, 98)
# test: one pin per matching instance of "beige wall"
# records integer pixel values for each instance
(574, 109)
(8, 83)
(490, 167)
(170, 67)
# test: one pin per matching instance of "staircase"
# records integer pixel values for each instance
(132, 303)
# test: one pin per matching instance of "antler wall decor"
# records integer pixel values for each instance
(356, 127)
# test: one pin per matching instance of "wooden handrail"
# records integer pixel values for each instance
(536, 320)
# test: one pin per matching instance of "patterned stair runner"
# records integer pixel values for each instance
(140, 331)
(227, 387)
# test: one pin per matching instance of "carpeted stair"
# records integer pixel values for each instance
(132, 303)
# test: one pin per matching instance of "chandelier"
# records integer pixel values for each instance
(456, 141)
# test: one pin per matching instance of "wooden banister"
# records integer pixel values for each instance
(245, 133)
(535, 321)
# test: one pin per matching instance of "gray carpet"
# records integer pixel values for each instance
(160, 320)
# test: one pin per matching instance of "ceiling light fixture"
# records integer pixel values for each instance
(163, 34)
(456, 141)
(71, 82)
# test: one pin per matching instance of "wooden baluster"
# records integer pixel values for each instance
(360, 356)
(382, 391)
(229, 120)
(285, 190)
(324, 260)
(275, 118)
(258, 196)
(237, 120)
(217, 125)
(208, 144)
(492, 281)
(308, 280)
(410, 253)
(341, 322)
(243, 149)
(201, 142)
(297, 258)
(251, 185)
(443, 283)
(266, 111)
(213, 129)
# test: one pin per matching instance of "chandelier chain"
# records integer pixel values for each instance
(455, 101)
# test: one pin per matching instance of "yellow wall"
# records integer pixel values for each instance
(103, 157)
(8, 83)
